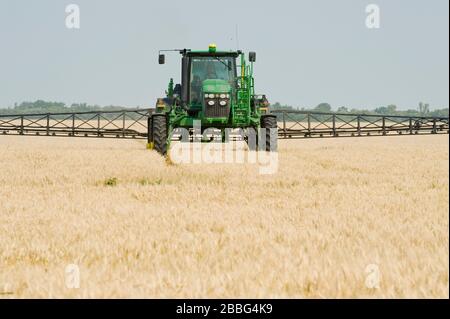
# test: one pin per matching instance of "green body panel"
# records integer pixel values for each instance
(216, 86)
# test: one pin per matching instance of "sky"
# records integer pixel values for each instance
(308, 51)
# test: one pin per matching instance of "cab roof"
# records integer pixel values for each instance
(190, 53)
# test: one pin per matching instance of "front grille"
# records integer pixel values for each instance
(216, 110)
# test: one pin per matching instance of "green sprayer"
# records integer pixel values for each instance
(217, 93)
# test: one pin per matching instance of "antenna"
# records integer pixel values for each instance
(237, 37)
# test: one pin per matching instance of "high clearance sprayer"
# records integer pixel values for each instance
(215, 92)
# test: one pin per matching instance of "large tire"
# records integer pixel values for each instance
(269, 122)
(160, 135)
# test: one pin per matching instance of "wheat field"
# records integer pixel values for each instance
(346, 217)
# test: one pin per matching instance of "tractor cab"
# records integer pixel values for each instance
(208, 82)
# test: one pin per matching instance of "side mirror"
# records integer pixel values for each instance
(252, 56)
(162, 59)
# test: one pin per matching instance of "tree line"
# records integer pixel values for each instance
(40, 106)
(423, 109)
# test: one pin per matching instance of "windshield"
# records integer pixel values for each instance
(206, 68)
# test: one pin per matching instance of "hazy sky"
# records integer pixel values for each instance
(308, 51)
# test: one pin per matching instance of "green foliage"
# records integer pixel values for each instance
(386, 110)
(391, 109)
(278, 106)
(112, 181)
(40, 107)
(342, 109)
(323, 107)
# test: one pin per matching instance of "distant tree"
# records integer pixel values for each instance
(361, 111)
(342, 109)
(440, 112)
(323, 107)
(276, 105)
(410, 112)
(391, 109)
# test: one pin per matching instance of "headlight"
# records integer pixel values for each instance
(211, 96)
(223, 103)
(223, 96)
(206, 95)
(211, 103)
